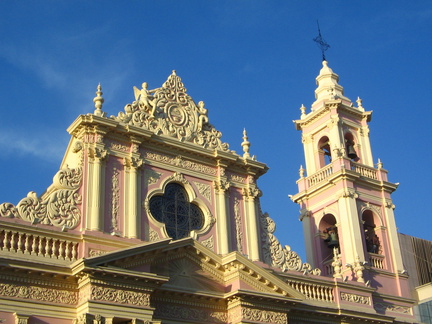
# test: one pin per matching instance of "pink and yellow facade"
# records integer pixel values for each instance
(152, 219)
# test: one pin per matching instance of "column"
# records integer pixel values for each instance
(96, 189)
(252, 232)
(132, 197)
(223, 227)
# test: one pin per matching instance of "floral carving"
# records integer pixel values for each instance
(275, 254)
(170, 111)
(392, 308)
(204, 190)
(151, 177)
(120, 296)
(115, 201)
(239, 232)
(209, 243)
(58, 208)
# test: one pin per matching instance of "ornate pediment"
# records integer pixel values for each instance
(170, 111)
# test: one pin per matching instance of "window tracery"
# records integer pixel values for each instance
(175, 211)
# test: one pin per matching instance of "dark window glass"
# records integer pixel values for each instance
(176, 212)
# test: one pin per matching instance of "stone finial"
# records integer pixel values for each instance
(379, 164)
(246, 145)
(98, 101)
(360, 104)
(303, 111)
(301, 171)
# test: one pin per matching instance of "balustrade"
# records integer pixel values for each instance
(38, 245)
(376, 261)
(364, 170)
(313, 291)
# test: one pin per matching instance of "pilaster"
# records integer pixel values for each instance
(249, 196)
(221, 186)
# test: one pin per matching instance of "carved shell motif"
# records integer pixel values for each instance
(58, 208)
(170, 111)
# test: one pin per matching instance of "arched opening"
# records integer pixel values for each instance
(350, 147)
(324, 151)
(329, 240)
(371, 238)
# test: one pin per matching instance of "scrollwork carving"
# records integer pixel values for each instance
(120, 296)
(264, 316)
(59, 208)
(53, 295)
(278, 256)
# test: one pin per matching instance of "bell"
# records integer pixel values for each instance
(351, 152)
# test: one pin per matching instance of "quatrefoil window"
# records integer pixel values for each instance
(176, 212)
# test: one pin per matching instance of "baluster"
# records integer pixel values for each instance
(67, 250)
(19, 244)
(74, 251)
(39, 252)
(33, 248)
(26, 244)
(12, 241)
(55, 250)
(48, 247)
(61, 249)
(4, 245)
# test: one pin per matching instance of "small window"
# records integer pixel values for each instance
(176, 212)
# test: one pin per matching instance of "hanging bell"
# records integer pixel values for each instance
(351, 152)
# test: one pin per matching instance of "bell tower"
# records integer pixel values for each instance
(345, 200)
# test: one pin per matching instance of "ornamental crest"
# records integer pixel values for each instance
(169, 111)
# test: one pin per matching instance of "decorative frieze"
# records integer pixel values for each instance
(119, 147)
(167, 311)
(353, 298)
(120, 296)
(179, 161)
(115, 201)
(42, 294)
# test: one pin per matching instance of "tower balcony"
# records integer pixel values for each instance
(342, 166)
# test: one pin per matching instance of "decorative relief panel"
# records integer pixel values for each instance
(275, 254)
(153, 235)
(181, 162)
(204, 190)
(119, 147)
(58, 208)
(168, 110)
(151, 177)
(120, 296)
(115, 201)
(392, 308)
(355, 298)
(264, 316)
(43, 294)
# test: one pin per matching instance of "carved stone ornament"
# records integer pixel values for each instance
(168, 110)
(120, 296)
(353, 298)
(58, 208)
(264, 316)
(209, 243)
(278, 256)
(177, 312)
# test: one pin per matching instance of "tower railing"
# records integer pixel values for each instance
(339, 164)
(364, 170)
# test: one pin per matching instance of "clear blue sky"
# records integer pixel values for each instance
(253, 63)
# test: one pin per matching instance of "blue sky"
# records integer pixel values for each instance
(253, 63)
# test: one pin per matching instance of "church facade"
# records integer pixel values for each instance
(153, 219)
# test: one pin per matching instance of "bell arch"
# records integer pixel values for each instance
(324, 152)
(328, 239)
(350, 146)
